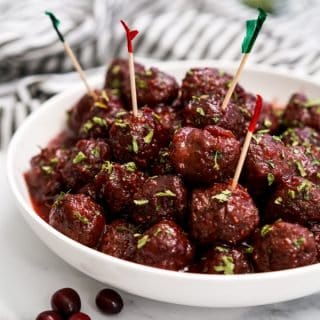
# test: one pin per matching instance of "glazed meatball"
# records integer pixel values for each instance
(295, 200)
(170, 119)
(161, 197)
(206, 110)
(101, 115)
(217, 214)
(165, 246)
(204, 156)
(44, 178)
(224, 260)
(138, 139)
(306, 162)
(301, 111)
(85, 162)
(162, 164)
(315, 229)
(118, 240)
(116, 185)
(268, 160)
(200, 81)
(118, 72)
(283, 245)
(78, 217)
(301, 137)
(153, 87)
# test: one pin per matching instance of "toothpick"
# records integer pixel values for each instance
(247, 141)
(131, 34)
(69, 52)
(253, 28)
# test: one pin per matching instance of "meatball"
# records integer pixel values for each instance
(153, 87)
(305, 136)
(161, 197)
(78, 217)
(169, 118)
(101, 115)
(266, 163)
(295, 200)
(162, 164)
(224, 260)
(283, 245)
(301, 111)
(204, 156)
(206, 110)
(118, 72)
(118, 240)
(165, 246)
(44, 177)
(217, 214)
(85, 162)
(116, 185)
(200, 81)
(138, 139)
(306, 162)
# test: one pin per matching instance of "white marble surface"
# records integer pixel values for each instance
(30, 273)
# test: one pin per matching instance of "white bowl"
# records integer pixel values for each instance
(163, 285)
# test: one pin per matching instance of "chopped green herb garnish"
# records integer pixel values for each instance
(80, 217)
(278, 200)
(270, 164)
(291, 193)
(120, 123)
(116, 69)
(312, 102)
(267, 123)
(59, 198)
(100, 105)
(155, 115)
(116, 83)
(221, 249)
(143, 241)
(200, 111)
(88, 125)
(224, 196)
(148, 73)
(215, 160)
(99, 121)
(141, 84)
(265, 230)
(120, 114)
(227, 267)
(166, 193)
(148, 138)
(157, 232)
(130, 166)
(95, 152)
(47, 169)
(276, 138)
(248, 249)
(135, 147)
(298, 242)
(300, 168)
(53, 161)
(141, 202)
(105, 95)
(107, 166)
(270, 178)
(79, 157)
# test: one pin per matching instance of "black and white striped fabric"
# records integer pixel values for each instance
(33, 65)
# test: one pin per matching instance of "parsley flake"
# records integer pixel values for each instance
(270, 178)
(47, 169)
(298, 242)
(130, 166)
(141, 202)
(148, 138)
(79, 157)
(166, 193)
(224, 196)
(265, 230)
(99, 121)
(135, 147)
(81, 218)
(107, 166)
(300, 168)
(200, 111)
(227, 267)
(143, 241)
(278, 200)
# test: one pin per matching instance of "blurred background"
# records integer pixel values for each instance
(33, 65)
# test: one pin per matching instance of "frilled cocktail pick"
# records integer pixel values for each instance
(246, 143)
(69, 52)
(131, 34)
(253, 28)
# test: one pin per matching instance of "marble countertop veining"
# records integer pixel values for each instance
(30, 273)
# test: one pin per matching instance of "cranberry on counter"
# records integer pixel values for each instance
(109, 301)
(49, 315)
(66, 301)
(79, 316)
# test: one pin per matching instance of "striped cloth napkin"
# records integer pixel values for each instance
(33, 65)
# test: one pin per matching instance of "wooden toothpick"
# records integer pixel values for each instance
(69, 52)
(247, 141)
(131, 34)
(253, 28)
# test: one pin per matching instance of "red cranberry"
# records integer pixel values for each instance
(66, 301)
(79, 316)
(109, 301)
(49, 315)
